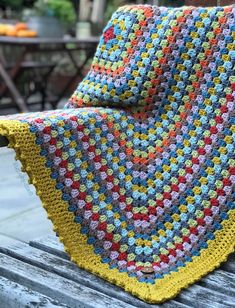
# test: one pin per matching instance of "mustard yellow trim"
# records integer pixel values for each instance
(75, 243)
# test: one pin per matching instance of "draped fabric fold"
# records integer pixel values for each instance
(137, 172)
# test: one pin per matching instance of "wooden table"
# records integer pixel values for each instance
(39, 274)
(41, 45)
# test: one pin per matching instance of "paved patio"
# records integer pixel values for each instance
(22, 216)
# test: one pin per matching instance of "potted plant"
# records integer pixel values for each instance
(101, 12)
(51, 18)
(10, 9)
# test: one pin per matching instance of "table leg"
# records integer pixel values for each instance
(21, 104)
(13, 73)
(79, 69)
(44, 87)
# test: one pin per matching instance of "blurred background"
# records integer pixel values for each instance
(46, 47)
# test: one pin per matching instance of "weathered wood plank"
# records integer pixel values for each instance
(3, 141)
(220, 281)
(49, 284)
(69, 270)
(229, 266)
(14, 295)
(207, 288)
(50, 244)
(197, 296)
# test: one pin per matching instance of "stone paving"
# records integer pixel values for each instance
(22, 216)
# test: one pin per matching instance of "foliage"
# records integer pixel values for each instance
(13, 4)
(112, 5)
(61, 9)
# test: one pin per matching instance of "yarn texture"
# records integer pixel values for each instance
(137, 172)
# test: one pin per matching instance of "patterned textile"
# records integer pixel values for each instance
(141, 191)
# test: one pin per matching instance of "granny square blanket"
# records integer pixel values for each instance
(137, 172)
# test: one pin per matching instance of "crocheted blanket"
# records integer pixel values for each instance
(137, 172)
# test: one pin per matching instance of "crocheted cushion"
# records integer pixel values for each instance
(146, 201)
(147, 53)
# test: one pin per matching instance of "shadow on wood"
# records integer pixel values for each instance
(3, 141)
(44, 268)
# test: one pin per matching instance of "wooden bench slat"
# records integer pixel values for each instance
(66, 291)
(71, 271)
(229, 266)
(207, 288)
(14, 295)
(3, 141)
(220, 281)
(50, 244)
(197, 296)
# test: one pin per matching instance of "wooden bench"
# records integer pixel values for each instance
(39, 274)
(3, 141)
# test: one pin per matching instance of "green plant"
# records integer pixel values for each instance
(61, 9)
(13, 4)
(111, 7)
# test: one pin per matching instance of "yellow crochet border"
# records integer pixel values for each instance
(75, 243)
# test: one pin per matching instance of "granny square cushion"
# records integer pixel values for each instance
(147, 53)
